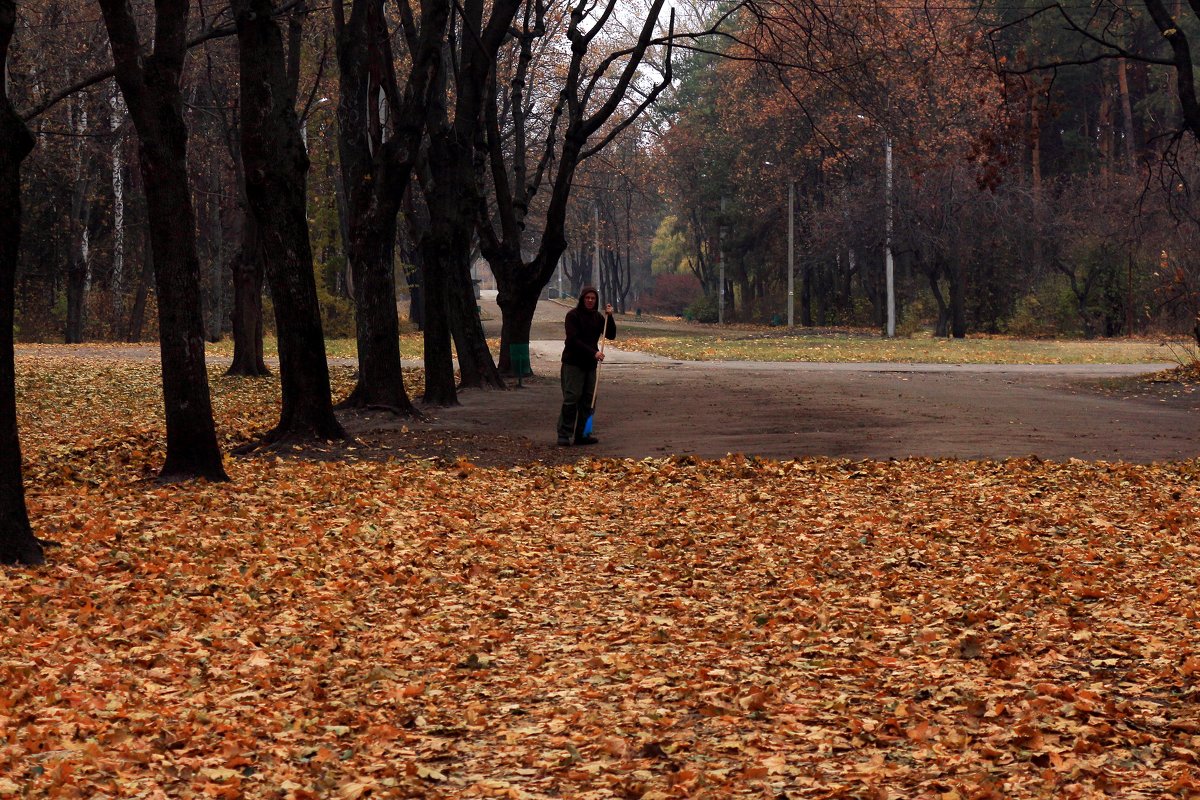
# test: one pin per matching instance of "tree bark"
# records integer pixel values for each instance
(414, 271)
(276, 166)
(579, 268)
(248, 277)
(137, 314)
(150, 85)
(1104, 127)
(943, 319)
(452, 197)
(18, 545)
(1185, 69)
(518, 302)
(958, 299)
(1035, 149)
(371, 217)
(214, 297)
(1131, 148)
(77, 263)
(375, 175)
(377, 323)
(806, 296)
(476, 367)
(77, 268)
(248, 303)
(442, 248)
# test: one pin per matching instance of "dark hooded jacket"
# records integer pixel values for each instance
(584, 328)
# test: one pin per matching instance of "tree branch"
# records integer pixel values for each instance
(208, 35)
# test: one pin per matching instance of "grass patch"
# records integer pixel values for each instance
(854, 347)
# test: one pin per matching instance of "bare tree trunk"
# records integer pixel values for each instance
(376, 170)
(77, 270)
(958, 299)
(1035, 155)
(77, 262)
(137, 314)
(806, 295)
(414, 271)
(1131, 148)
(18, 545)
(343, 213)
(150, 85)
(943, 319)
(442, 248)
(371, 210)
(248, 276)
(446, 251)
(579, 268)
(276, 167)
(476, 367)
(625, 271)
(215, 293)
(377, 323)
(517, 306)
(1104, 123)
(119, 279)
(452, 195)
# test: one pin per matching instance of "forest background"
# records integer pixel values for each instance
(1027, 196)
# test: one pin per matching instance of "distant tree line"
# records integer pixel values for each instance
(1041, 184)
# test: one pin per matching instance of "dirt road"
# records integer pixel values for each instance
(650, 406)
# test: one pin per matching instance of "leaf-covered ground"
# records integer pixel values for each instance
(412, 346)
(372, 627)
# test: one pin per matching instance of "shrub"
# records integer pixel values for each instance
(703, 310)
(673, 292)
(337, 314)
(1048, 311)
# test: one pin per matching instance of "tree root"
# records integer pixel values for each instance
(280, 438)
(398, 411)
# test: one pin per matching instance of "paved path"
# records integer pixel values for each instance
(652, 406)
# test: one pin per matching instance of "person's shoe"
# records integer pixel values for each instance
(586, 440)
(563, 441)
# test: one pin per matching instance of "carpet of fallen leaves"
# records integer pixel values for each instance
(657, 629)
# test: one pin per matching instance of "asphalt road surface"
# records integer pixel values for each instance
(652, 406)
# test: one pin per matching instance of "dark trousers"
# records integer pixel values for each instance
(578, 387)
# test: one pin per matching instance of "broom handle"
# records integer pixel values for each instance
(596, 385)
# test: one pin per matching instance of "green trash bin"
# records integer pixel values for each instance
(518, 357)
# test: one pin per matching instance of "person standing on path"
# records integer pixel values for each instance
(580, 358)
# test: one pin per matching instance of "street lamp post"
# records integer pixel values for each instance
(890, 269)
